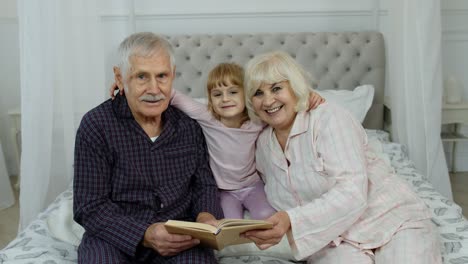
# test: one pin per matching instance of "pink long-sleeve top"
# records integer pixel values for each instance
(335, 187)
(231, 150)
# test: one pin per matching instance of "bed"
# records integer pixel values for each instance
(340, 62)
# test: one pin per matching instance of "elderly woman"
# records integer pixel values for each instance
(336, 200)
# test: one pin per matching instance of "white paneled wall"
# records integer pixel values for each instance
(256, 22)
(9, 80)
(212, 16)
(246, 6)
(455, 63)
(243, 16)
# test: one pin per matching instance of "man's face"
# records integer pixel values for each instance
(148, 85)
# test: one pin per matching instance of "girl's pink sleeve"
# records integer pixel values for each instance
(188, 105)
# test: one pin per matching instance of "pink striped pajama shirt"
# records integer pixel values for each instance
(335, 189)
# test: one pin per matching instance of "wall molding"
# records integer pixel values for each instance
(115, 17)
(125, 16)
(256, 15)
(455, 35)
(454, 12)
(453, 31)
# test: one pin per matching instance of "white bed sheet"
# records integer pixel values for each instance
(53, 237)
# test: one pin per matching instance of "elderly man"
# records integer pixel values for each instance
(140, 162)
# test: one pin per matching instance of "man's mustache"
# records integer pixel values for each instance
(152, 97)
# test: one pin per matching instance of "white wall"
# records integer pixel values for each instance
(242, 16)
(9, 79)
(455, 62)
(209, 16)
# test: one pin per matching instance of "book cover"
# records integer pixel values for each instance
(226, 233)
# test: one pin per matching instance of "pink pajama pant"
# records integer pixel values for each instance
(252, 199)
(416, 243)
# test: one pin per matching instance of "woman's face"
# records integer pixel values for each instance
(274, 104)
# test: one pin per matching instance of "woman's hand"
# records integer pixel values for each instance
(315, 100)
(112, 89)
(207, 218)
(270, 237)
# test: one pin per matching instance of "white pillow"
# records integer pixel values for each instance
(357, 102)
(202, 100)
(61, 223)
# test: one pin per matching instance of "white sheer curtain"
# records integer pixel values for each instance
(62, 76)
(415, 79)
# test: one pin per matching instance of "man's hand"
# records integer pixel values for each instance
(315, 100)
(166, 244)
(112, 89)
(270, 237)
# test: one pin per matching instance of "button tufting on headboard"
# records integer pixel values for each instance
(338, 60)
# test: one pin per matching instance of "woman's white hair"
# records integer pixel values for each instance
(274, 67)
(142, 44)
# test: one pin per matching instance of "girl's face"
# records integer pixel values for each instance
(228, 102)
(275, 104)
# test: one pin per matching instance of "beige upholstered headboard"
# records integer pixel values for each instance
(336, 60)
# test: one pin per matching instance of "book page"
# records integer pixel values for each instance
(230, 235)
(244, 222)
(227, 233)
(191, 226)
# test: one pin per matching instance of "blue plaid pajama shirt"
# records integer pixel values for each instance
(124, 182)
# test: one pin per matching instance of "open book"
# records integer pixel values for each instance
(226, 233)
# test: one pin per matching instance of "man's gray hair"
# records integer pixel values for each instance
(142, 44)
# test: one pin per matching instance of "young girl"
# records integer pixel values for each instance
(230, 138)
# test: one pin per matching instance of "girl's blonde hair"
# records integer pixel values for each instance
(223, 75)
(274, 67)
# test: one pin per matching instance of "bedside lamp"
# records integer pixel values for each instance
(453, 90)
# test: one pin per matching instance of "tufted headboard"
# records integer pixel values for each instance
(335, 60)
